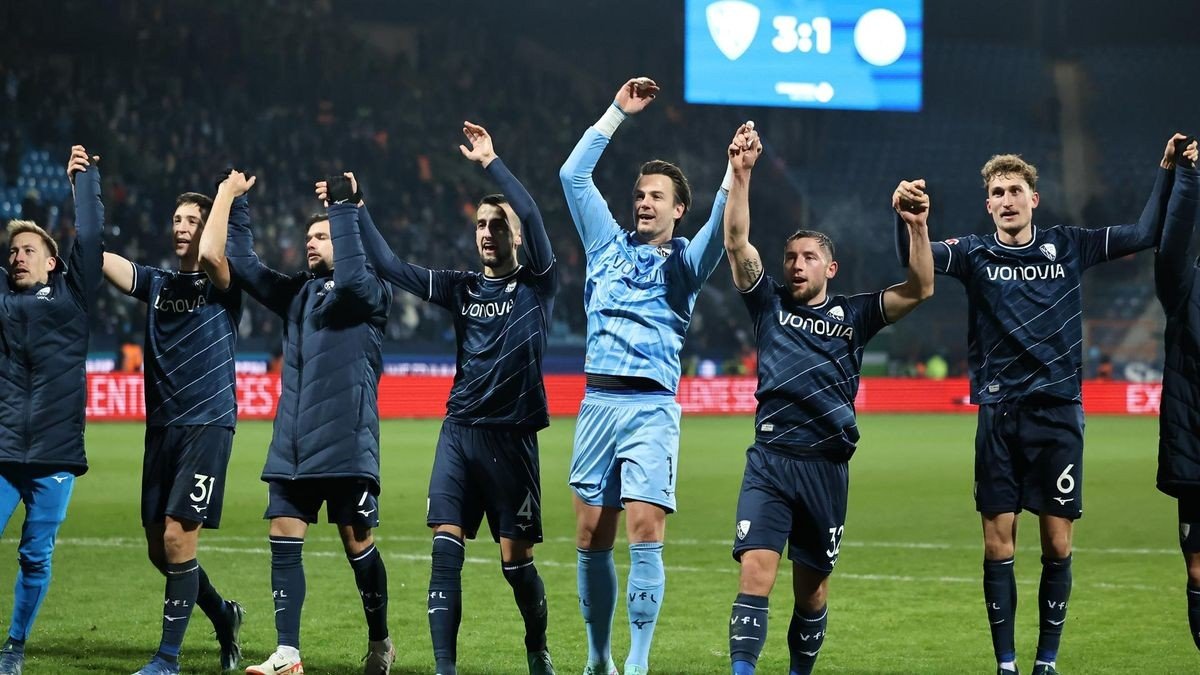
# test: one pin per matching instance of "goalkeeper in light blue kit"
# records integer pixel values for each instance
(640, 291)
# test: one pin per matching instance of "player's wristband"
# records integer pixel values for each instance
(727, 181)
(610, 120)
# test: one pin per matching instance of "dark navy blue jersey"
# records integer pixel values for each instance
(809, 359)
(500, 324)
(1025, 329)
(191, 345)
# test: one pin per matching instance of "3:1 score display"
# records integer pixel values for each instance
(794, 36)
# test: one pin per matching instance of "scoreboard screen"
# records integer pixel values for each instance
(846, 54)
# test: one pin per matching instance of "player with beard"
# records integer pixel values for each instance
(325, 443)
(486, 460)
(810, 347)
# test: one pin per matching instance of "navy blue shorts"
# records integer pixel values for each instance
(348, 501)
(798, 502)
(1189, 521)
(478, 471)
(1029, 457)
(183, 474)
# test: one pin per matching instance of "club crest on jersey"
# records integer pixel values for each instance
(951, 241)
(837, 313)
(327, 288)
(510, 287)
(1049, 251)
(743, 529)
(199, 283)
(664, 250)
(43, 294)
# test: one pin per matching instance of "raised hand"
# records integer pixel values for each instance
(481, 144)
(321, 189)
(745, 149)
(1169, 159)
(636, 94)
(79, 161)
(912, 202)
(237, 182)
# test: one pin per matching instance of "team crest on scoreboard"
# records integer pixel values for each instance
(743, 529)
(732, 24)
(1049, 251)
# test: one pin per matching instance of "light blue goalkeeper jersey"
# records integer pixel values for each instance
(638, 297)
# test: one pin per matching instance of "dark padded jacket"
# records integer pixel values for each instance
(44, 345)
(1177, 283)
(327, 422)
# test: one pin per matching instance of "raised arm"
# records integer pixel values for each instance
(912, 208)
(591, 214)
(273, 289)
(214, 238)
(86, 259)
(1172, 271)
(411, 278)
(744, 260)
(355, 282)
(119, 272)
(534, 238)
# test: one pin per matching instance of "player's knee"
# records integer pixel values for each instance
(35, 564)
(1193, 568)
(758, 573)
(159, 559)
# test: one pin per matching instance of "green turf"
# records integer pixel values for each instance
(905, 598)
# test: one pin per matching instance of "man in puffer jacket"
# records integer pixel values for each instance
(45, 302)
(325, 446)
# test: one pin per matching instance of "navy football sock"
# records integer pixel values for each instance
(1000, 596)
(288, 587)
(1193, 602)
(530, 594)
(805, 637)
(747, 632)
(179, 599)
(371, 578)
(209, 600)
(1053, 594)
(445, 599)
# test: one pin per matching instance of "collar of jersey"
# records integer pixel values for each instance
(506, 277)
(1001, 244)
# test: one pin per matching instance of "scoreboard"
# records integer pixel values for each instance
(844, 54)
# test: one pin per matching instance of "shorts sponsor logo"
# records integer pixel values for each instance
(1063, 501)
(768, 427)
(743, 529)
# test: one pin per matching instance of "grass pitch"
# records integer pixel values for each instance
(906, 596)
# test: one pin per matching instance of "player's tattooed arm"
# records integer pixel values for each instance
(911, 203)
(744, 150)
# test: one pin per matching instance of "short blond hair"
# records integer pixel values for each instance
(16, 227)
(1009, 165)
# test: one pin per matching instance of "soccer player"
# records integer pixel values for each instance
(810, 347)
(1177, 282)
(45, 303)
(640, 292)
(325, 445)
(1024, 351)
(191, 409)
(487, 453)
